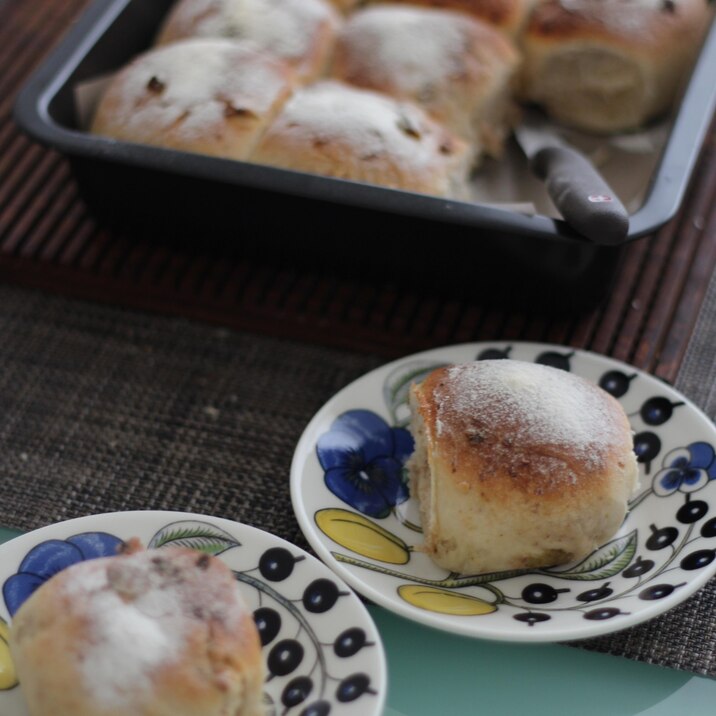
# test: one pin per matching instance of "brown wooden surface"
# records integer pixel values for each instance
(49, 240)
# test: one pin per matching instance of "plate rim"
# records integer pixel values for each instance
(425, 617)
(379, 658)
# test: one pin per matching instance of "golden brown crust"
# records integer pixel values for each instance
(298, 32)
(607, 65)
(459, 69)
(650, 23)
(336, 130)
(482, 448)
(157, 632)
(507, 15)
(513, 475)
(347, 6)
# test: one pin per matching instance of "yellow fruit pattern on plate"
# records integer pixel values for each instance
(362, 536)
(444, 601)
(8, 677)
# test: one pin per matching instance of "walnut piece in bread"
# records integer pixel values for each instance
(340, 131)
(609, 65)
(210, 96)
(458, 69)
(299, 32)
(148, 633)
(517, 465)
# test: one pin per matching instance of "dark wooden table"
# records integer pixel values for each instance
(49, 239)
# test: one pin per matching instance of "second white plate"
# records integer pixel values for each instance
(350, 495)
(322, 650)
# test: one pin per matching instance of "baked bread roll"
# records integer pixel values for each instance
(153, 633)
(517, 465)
(332, 129)
(456, 67)
(300, 32)
(208, 96)
(508, 16)
(609, 65)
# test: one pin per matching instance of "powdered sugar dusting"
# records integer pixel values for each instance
(140, 609)
(630, 16)
(131, 636)
(194, 81)
(284, 27)
(409, 46)
(370, 123)
(529, 405)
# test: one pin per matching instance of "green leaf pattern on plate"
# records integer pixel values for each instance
(608, 560)
(196, 535)
(397, 386)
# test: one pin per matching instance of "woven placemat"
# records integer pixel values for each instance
(105, 409)
(685, 637)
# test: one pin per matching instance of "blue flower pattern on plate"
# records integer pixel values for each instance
(362, 458)
(686, 469)
(52, 556)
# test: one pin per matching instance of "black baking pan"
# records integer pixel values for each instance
(178, 196)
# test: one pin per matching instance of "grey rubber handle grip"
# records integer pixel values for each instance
(584, 199)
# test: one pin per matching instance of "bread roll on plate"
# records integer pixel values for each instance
(208, 96)
(153, 633)
(508, 16)
(456, 67)
(517, 465)
(611, 65)
(336, 130)
(300, 32)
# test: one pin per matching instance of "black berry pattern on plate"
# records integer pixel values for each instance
(603, 613)
(647, 446)
(692, 511)
(556, 360)
(494, 353)
(532, 618)
(638, 567)
(616, 382)
(541, 593)
(276, 564)
(697, 560)
(350, 642)
(596, 595)
(656, 411)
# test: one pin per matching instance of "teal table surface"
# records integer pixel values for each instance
(433, 673)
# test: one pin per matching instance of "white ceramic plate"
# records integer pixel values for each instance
(351, 499)
(323, 653)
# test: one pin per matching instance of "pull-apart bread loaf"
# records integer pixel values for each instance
(611, 65)
(153, 633)
(299, 32)
(209, 96)
(459, 69)
(340, 131)
(508, 16)
(517, 465)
